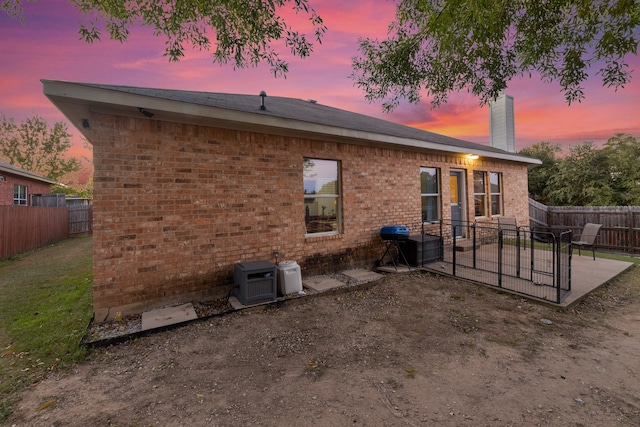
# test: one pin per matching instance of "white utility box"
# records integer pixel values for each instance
(289, 277)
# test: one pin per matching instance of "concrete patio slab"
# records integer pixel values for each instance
(588, 275)
(167, 316)
(362, 274)
(321, 284)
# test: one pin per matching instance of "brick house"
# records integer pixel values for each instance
(18, 185)
(186, 184)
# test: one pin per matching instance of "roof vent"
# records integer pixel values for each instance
(263, 95)
(312, 101)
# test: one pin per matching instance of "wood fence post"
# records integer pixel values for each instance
(630, 232)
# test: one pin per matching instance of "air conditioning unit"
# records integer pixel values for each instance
(255, 282)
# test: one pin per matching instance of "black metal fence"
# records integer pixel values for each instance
(524, 261)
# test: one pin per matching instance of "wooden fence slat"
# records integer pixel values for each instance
(80, 220)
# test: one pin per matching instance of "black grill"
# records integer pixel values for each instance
(394, 232)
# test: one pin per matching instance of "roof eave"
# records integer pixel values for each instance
(77, 102)
(27, 175)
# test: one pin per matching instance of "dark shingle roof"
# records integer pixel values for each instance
(299, 110)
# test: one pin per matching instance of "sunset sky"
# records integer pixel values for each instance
(47, 46)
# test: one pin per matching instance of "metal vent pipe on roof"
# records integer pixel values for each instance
(263, 95)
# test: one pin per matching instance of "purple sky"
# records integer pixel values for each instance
(48, 46)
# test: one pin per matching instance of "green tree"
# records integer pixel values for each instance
(436, 47)
(75, 189)
(588, 176)
(541, 175)
(35, 146)
(243, 31)
(623, 156)
(582, 178)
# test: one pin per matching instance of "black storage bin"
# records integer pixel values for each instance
(420, 253)
(255, 282)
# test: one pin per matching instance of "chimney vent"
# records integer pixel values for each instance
(502, 123)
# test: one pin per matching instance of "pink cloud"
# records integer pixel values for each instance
(47, 46)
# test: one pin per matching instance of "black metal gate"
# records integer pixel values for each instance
(517, 259)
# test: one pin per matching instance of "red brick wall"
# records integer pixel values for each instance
(176, 206)
(33, 187)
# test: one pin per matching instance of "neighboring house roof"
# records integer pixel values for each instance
(7, 168)
(283, 116)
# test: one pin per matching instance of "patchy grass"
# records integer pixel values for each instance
(44, 312)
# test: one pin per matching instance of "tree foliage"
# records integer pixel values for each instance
(587, 176)
(444, 46)
(243, 30)
(35, 146)
(75, 189)
(541, 175)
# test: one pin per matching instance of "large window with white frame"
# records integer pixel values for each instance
(487, 193)
(495, 189)
(430, 194)
(322, 201)
(19, 194)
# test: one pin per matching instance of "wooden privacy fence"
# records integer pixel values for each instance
(23, 228)
(620, 224)
(80, 220)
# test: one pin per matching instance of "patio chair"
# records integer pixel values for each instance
(588, 238)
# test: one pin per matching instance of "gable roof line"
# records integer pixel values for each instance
(8, 168)
(285, 116)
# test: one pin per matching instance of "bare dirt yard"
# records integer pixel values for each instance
(413, 349)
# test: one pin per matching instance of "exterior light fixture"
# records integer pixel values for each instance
(85, 124)
(472, 156)
(146, 113)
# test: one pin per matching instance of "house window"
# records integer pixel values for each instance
(492, 187)
(19, 194)
(480, 192)
(322, 202)
(430, 194)
(495, 187)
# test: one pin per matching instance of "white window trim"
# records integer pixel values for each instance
(337, 197)
(485, 194)
(500, 193)
(437, 195)
(26, 192)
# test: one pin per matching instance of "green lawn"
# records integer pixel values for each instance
(45, 308)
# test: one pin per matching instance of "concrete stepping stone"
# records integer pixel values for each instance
(167, 316)
(322, 284)
(360, 274)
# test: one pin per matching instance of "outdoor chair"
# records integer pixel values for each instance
(588, 238)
